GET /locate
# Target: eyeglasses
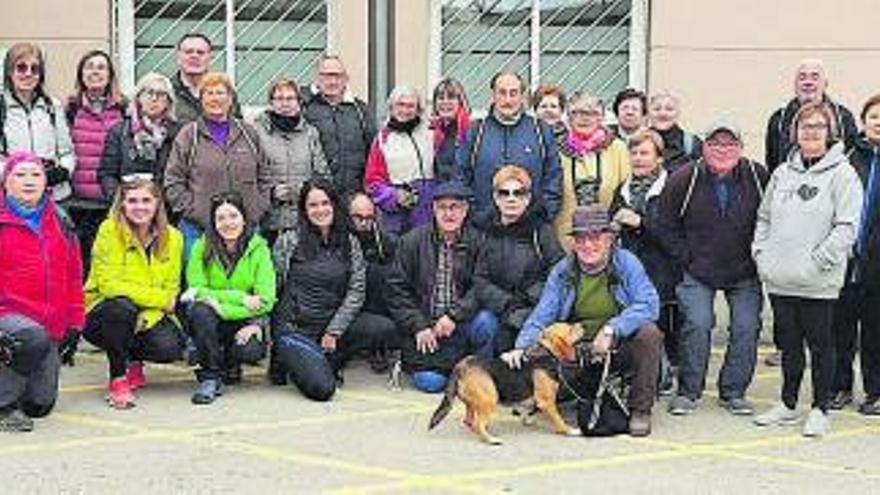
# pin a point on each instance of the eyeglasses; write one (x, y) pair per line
(512, 193)
(722, 144)
(332, 75)
(96, 66)
(285, 99)
(815, 127)
(24, 68)
(456, 207)
(584, 113)
(362, 218)
(153, 94)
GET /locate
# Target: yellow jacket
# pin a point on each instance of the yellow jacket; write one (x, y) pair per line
(121, 267)
(615, 168)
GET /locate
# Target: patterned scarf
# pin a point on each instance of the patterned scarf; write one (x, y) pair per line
(581, 143)
(638, 190)
(148, 136)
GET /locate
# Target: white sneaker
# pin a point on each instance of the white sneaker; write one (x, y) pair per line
(817, 424)
(778, 416)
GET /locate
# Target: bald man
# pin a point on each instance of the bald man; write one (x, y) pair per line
(810, 85)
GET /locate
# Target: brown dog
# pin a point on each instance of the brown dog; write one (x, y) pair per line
(480, 383)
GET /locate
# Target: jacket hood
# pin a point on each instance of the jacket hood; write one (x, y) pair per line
(834, 157)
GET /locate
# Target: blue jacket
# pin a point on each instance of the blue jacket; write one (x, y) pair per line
(634, 293)
(519, 144)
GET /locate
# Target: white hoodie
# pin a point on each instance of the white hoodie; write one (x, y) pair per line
(807, 226)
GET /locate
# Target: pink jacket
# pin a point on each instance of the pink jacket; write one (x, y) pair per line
(88, 131)
(41, 273)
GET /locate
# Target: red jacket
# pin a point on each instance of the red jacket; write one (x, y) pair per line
(41, 274)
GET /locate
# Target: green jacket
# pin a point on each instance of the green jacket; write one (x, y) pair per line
(252, 275)
(121, 267)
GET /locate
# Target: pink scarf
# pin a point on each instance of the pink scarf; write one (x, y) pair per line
(582, 143)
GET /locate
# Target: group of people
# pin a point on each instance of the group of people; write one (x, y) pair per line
(163, 226)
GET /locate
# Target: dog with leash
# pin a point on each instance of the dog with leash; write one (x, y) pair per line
(482, 383)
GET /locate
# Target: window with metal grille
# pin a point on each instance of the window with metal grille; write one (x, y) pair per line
(576, 44)
(255, 41)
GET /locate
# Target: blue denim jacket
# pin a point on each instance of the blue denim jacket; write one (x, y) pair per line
(634, 293)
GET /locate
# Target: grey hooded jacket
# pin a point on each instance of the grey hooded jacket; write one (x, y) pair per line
(807, 225)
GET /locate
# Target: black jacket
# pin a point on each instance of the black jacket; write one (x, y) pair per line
(120, 157)
(714, 249)
(644, 241)
(513, 265)
(679, 148)
(379, 249)
(865, 267)
(347, 130)
(778, 142)
(411, 281)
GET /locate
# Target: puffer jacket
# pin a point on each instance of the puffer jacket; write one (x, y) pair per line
(198, 168)
(41, 272)
(346, 131)
(514, 265)
(323, 293)
(293, 158)
(120, 157)
(122, 267)
(88, 131)
(42, 130)
(253, 275)
(807, 226)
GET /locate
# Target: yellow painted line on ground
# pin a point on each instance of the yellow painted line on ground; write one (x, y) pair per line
(313, 421)
(51, 447)
(802, 465)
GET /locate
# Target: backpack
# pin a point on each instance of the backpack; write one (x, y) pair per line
(693, 183)
(481, 129)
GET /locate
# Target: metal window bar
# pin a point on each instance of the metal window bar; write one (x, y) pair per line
(591, 50)
(475, 21)
(254, 44)
(517, 50)
(170, 28)
(299, 51)
(585, 31)
(492, 30)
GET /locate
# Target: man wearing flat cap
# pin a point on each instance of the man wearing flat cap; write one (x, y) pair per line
(606, 291)
(707, 219)
(432, 296)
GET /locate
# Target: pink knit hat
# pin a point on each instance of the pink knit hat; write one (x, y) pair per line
(16, 158)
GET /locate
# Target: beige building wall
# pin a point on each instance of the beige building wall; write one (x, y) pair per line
(64, 29)
(349, 35)
(411, 44)
(738, 58)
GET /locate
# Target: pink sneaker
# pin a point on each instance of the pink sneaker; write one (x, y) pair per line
(119, 394)
(135, 375)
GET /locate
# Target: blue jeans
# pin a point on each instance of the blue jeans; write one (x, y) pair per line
(474, 337)
(191, 233)
(696, 301)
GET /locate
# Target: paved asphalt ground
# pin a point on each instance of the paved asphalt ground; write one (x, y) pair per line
(266, 440)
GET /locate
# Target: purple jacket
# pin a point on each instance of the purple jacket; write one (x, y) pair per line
(88, 130)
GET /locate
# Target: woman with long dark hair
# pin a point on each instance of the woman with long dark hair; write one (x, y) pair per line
(318, 323)
(232, 286)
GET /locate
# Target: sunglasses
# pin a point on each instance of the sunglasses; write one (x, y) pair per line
(136, 177)
(512, 193)
(25, 68)
(362, 218)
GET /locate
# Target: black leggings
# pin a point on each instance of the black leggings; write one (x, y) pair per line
(111, 326)
(799, 319)
(215, 341)
(312, 370)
